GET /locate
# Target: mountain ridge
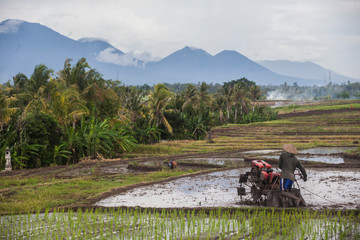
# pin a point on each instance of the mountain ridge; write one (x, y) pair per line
(24, 45)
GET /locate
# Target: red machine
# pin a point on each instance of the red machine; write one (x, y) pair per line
(264, 186)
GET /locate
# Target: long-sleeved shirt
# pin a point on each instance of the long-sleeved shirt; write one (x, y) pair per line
(288, 163)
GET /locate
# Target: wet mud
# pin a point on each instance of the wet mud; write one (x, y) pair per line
(333, 175)
(325, 188)
(331, 184)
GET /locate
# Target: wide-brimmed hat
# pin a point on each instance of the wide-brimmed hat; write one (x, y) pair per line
(290, 148)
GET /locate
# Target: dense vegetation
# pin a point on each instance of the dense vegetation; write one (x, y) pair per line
(54, 119)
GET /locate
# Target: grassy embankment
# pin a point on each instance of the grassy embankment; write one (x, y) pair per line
(22, 194)
(25, 192)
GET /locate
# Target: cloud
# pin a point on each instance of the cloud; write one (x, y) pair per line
(10, 26)
(109, 55)
(143, 56)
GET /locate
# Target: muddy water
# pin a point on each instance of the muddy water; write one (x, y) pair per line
(320, 154)
(324, 189)
(314, 158)
(262, 151)
(332, 188)
(326, 150)
(210, 190)
(233, 162)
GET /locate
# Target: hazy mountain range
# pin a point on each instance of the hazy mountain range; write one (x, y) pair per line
(24, 45)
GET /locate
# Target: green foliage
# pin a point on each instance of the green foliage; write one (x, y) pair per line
(343, 95)
(60, 154)
(60, 119)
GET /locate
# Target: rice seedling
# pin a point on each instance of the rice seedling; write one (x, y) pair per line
(180, 224)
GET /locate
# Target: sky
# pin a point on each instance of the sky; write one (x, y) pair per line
(325, 32)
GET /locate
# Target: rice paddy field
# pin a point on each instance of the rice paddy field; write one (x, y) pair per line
(62, 202)
(181, 224)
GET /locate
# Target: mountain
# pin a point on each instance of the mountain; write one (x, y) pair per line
(196, 65)
(306, 70)
(24, 45)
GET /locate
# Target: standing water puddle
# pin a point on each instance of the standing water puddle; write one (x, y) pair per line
(324, 159)
(319, 154)
(326, 150)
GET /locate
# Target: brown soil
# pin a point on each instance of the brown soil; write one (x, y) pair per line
(315, 112)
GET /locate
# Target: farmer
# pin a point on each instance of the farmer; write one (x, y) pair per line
(172, 164)
(288, 163)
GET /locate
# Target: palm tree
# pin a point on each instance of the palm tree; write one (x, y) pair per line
(102, 101)
(67, 106)
(255, 93)
(39, 78)
(191, 96)
(37, 103)
(80, 75)
(20, 82)
(204, 97)
(5, 110)
(133, 101)
(219, 105)
(227, 92)
(158, 100)
(36, 95)
(239, 96)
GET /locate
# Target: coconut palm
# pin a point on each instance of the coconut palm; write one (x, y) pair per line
(5, 110)
(80, 75)
(239, 98)
(39, 78)
(67, 106)
(204, 98)
(191, 96)
(227, 92)
(219, 105)
(254, 93)
(158, 100)
(133, 100)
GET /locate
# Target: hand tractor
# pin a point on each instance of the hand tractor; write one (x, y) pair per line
(265, 187)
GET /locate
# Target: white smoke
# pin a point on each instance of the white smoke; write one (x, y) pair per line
(281, 94)
(109, 55)
(276, 95)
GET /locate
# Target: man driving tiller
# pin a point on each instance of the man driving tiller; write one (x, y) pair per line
(288, 163)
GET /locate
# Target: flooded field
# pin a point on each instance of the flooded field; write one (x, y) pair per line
(331, 155)
(313, 158)
(324, 189)
(209, 190)
(326, 150)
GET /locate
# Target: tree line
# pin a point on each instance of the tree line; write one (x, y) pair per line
(59, 118)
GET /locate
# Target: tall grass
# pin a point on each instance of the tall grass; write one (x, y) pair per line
(180, 224)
